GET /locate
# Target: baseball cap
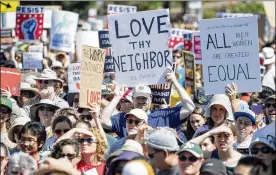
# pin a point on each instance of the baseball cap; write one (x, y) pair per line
(6, 102)
(192, 148)
(269, 141)
(246, 113)
(127, 96)
(214, 167)
(139, 113)
(142, 90)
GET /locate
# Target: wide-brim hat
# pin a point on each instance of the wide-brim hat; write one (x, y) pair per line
(19, 121)
(24, 86)
(34, 108)
(269, 55)
(47, 74)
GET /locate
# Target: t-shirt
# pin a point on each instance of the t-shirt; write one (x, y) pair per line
(157, 118)
(85, 168)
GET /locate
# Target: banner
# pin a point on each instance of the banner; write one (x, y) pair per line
(189, 61)
(63, 30)
(197, 48)
(91, 76)
(161, 93)
(140, 47)
(29, 22)
(11, 78)
(115, 9)
(176, 40)
(104, 39)
(74, 77)
(230, 54)
(32, 60)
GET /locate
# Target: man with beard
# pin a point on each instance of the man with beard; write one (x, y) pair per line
(171, 117)
(46, 86)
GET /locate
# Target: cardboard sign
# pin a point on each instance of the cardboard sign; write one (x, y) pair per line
(109, 65)
(29, 22)
(104, 39)
(63, 30)
(11, 78)
(74, 77)
(115, 9)
(189, 61)
(176, 40)
(32, 60)
(197, 47)
(91, 76)
(230, 54)
(161, 93)
(140, 47)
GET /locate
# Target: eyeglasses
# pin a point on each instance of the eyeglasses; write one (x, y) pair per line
(26, 142)
(61, 131)
(137, 122)
(44, 81)
(48, 109)
(191, 159)
(68, 155)
(267, 105)
(86, 117)
(151, 155)
(4, 110)
(264, 150)
(89, 140)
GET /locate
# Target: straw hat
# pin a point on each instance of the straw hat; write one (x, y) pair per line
(48, 74)
(18, 121)
(34, 108)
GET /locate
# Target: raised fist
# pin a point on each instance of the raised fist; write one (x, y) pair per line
(28, 28)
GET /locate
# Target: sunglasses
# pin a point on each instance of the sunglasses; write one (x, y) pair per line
(48, 109)
(89, 140)
(69, 156)
(44, 81)
(267, 105)
(176, 56)
(86, 117)
(264, 150)
(151, 155)
(61, 131)
(4, 110)
(130, 121)
(27, 94)
(191, 159)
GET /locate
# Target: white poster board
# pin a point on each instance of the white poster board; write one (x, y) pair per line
(74, 77)
(32, 60)
(36, 48)
(230, 54)
(115, 9)
(140, 46)
(63, 30)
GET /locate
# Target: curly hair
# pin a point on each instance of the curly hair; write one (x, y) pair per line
(58, 147)
(101, 144)
(67, 112)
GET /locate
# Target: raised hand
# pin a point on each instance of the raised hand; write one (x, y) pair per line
(28, 28)
(231, 91)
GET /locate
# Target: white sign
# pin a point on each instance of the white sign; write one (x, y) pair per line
(63, 30)
(235, 15)
(32, 60)
(140, 46)
(230, 54)
(36, 48)
(115, 9)
(88, 38)
(74, 77)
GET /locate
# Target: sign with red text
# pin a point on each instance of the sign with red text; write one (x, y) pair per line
(10, 79)
(176, 40)
(29, 22)
(74, 77)
(140, 47)
(230, 50)
(197, 48)
(91, 76)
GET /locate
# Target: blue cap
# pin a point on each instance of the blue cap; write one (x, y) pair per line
(246, 113)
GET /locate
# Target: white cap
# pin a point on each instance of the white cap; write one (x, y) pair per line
(57, 64)
(139, 113)
(141, 90)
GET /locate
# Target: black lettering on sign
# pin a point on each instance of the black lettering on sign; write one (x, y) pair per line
(161, 92)
(216, 43)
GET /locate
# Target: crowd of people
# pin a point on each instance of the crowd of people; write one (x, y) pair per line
(44, 131)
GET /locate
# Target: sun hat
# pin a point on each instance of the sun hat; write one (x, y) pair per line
(142, 91)
(30, 79)
(34, 108)
(269, 55)
(139, 113)
(18, 121)
(138, 167)
(246, 113)
(48, 74)
(163, 139)
(191, 148)
(6, 102)
(214, 167)
(57, 64)
(24, 86)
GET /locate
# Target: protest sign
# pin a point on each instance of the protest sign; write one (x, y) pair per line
(188, 41)
(74, 77)
(6, 38)
(35, 48)
(109, 65)
(115, 9)
(91, 76)
(29, 22)
(176, 40)
(11, 78)
(48, 9)
(140, 47)
(9, 6)
(197, 47)
(32, 60)
(104, 39)
(63, 30)
(161, 93)
(189, 61)
(230, 54)
(89, 38)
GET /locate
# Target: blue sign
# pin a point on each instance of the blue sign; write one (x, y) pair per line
(104, 39)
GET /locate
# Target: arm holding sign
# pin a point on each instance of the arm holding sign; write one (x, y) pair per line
(231, 92)
(188, 104)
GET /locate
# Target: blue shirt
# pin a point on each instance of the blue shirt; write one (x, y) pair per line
(169, 117)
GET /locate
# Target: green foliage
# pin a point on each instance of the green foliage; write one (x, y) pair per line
(209, 13)
(247, 7)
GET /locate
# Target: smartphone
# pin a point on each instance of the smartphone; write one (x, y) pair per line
(257, 109)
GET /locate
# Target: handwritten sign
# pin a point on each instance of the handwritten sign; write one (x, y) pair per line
(115, 9)
(161, 93)
(63, 30)
(91, 76)
(104, 39)
(32, 60)
(140, 47)
(230, 54)
(29, 22)
(189, 61)
(11, 78)
(197, 47)
(74, 77)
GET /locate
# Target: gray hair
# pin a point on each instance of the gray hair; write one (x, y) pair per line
(22, 162)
